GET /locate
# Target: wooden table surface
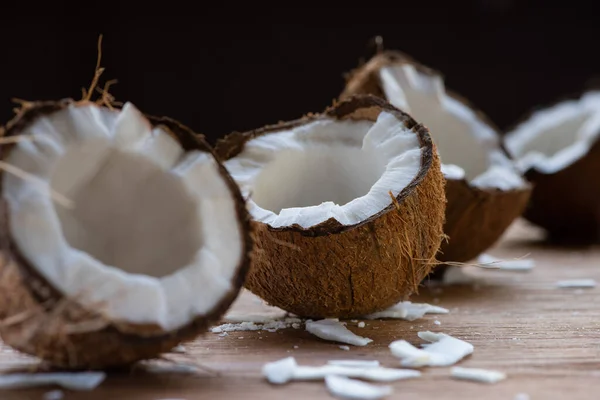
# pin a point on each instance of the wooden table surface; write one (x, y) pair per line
(546, 339)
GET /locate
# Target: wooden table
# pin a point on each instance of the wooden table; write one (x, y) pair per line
(546, 339)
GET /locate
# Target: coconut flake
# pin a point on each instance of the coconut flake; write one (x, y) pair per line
(353, 389)
(361, 324)
(68, 380)
(178, 349)
(444, 350)
(171, 368)
(456, 276)
(346, 348)
(285, 370)
(408, 311)
(270, 325)
(355, 363)
(332, 329)
(54, 395)
(576, 283)
(507, 265)
(477, 374)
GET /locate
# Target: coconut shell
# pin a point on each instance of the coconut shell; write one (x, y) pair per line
(475, 218)
(563, 202)
(39, 320)
(333, 270)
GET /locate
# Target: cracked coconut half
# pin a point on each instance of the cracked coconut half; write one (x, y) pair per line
(485, 191)
(149, 244)
(558, 149)
(348, 208)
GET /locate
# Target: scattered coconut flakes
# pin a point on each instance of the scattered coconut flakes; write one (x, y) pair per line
(223, 334)
(54, 395)
(361, 324)
(490, 261)
(332, 329)
(68, 380)
(178, 349)
(272, 325)
(346, 388)
(408, 311)
(285, 370)
(256, 318)
(576, 283)
(456, 276)
(347, 348)
(444, 350)
(477, 374)
(437, 322)
(355, 363)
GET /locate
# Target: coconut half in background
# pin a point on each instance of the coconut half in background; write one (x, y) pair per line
(485, 191)
(348, 207)
(558, 149)
(149, 245)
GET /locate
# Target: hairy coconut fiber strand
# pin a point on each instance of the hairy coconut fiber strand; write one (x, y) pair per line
(64, 326)
(336, 270)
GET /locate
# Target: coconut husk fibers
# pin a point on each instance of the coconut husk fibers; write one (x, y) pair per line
(40, 321)
(566, 203)
(332, 270)
(475, 218)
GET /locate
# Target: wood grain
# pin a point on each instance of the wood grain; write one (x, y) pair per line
(546, 339)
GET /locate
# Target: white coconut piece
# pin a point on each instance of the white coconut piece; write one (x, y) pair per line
(408, 311)
(454, 127)
(285, 370)
(361, 324)
(444, 351)
(124, 178)
(477, 374)
(456, 276)
(332, 329)
(577, 283)
(67, 380)
(171, 368)
(555, 137)
(256, 318)
(355, 363)
(346, 388)
(489, 261)
(54, 395)
(345, 348)
(179, 349)
(363, 160)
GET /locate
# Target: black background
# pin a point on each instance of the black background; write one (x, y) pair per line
(224, 69)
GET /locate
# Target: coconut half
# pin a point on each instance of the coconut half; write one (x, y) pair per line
(558, 148)
(153, 247)
(348, 207)
(485, 191)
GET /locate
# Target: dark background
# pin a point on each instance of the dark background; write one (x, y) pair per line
(224, 69)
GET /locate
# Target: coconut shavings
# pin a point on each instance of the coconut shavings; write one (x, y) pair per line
(67, 380)
(269, 326)
(332, 329)
(286, 370)
(477, 374)
(408, 311)
(576, 283)
(444, 350)
(355, 363)
(352, 389)
(489, 261)
(346, 348)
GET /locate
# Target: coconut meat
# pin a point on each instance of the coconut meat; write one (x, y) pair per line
(555, 137)
(468, 146)
(327, 168)
(153, 236)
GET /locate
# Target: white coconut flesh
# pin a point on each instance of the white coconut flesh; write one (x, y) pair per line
(327, 168)
(467, 145)
(555, 137)
(152, 237)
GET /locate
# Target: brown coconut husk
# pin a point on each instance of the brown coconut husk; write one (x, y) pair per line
(37, 319)
(334, 270)
(475, 218)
